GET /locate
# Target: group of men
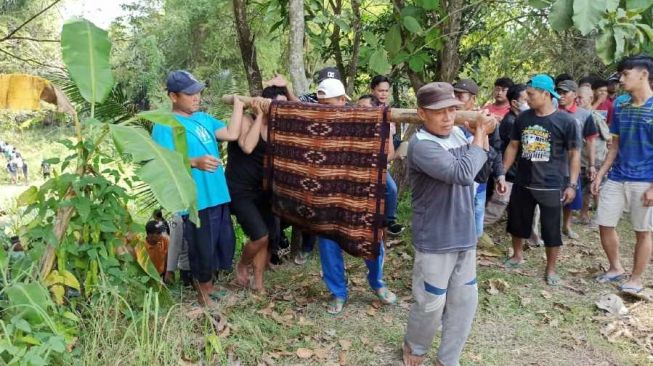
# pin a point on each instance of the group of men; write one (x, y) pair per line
(554, 142)
(15, 162)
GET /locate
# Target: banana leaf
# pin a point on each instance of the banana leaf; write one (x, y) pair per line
(164, 171)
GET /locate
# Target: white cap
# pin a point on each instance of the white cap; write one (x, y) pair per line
(331, 88)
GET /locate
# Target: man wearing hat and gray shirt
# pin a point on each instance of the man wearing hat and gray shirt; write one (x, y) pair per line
(442, 166)
(567, 89)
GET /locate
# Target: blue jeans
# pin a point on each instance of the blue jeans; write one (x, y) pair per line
(390, 199)
(333, 268)
(479, 208)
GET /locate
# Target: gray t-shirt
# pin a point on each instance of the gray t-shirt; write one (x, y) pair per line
(441, 172)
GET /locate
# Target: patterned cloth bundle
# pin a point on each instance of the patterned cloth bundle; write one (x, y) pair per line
(326, 166)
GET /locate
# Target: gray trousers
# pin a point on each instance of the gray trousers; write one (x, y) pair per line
(445, 291)
(178, 248)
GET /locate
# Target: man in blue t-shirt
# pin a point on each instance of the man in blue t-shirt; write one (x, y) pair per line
(629, 165)
(210, 246)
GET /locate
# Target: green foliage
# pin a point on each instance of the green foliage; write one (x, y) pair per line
(623, 27)
(86, 49)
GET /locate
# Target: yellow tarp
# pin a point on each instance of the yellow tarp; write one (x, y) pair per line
(21, 92)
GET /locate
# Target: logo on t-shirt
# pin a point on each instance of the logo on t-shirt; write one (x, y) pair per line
(203, 135)
(535, 144)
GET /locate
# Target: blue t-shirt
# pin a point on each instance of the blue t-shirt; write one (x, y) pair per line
(634, 127)
(200, 136)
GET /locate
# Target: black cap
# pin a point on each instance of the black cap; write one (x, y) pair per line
(328, 73)
(182, 81)
(466, 86)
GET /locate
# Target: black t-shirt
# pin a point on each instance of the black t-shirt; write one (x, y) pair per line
(244, 172)
(544, 145)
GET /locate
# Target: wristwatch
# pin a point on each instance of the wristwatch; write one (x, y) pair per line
(572, 185)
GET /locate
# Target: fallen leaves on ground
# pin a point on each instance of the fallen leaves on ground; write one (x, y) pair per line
(496, 286)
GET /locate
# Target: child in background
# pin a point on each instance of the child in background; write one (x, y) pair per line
(157, 241)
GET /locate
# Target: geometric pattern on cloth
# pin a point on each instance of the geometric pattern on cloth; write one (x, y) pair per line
(326, 167)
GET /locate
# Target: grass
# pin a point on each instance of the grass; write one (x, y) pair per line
(527, 323)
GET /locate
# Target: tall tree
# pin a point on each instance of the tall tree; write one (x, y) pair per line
(247, 48)
(297, 70)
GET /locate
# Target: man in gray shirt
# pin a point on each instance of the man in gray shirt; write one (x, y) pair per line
(442, 166)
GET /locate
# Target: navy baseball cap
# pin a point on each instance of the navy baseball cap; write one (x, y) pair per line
(182, 81)
(328, 73)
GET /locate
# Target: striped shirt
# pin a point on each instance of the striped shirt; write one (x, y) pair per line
(634, 127)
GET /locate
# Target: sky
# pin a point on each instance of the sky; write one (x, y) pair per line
(100, 12)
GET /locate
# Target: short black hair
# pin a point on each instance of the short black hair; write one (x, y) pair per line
(637, 62)
(504, 82)
(158, 214)
(515, 91)
(587, 79)
(374, 100)
(272, 92)
(378, 79)
(562, 77)
(599, 83)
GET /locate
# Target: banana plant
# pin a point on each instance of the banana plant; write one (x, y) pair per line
(86, 50)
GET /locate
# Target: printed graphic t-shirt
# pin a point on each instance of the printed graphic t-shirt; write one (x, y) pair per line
(200, 136)
(544, 145)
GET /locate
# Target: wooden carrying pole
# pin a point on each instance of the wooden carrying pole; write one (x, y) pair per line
(400, 115)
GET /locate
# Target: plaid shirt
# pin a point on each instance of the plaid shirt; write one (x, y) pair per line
(634, 127)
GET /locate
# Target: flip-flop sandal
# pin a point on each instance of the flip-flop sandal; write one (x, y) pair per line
(552, 280)
(217, 295)
(509, 263)
(605, 278)
(336, 305)
(631, 289)
(386, 296)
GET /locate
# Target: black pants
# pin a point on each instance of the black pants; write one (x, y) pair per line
(521, 209)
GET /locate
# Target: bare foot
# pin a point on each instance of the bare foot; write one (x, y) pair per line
(410, 359)
(242, 275)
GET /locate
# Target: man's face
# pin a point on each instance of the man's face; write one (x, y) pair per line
(585, 97)
(601, 93)
(382, 92)
(187, 103)
(537, 98)
(499, 94)
(567, 98)
(467, 98)
(365, 102)
(438, 121)
(523, 98)
(632, 79)
(613, 86)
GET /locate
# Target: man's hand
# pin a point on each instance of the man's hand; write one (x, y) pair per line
(277, 80)
(647, 198)
(238, 104)
(591, 173)
(502, 187)
(596, 184)
(207, 163)
(260, 105)
(568, 195)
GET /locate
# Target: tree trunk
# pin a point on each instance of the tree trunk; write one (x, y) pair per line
(297, 71)
(449, 60)
(353, 64)
(247, 48)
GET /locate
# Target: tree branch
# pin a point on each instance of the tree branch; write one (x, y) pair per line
(31, 60)
(35, 39)
(10, 35)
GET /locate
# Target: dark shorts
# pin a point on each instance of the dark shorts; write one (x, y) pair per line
(253, 210)
(211, 246)
(522, 207)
